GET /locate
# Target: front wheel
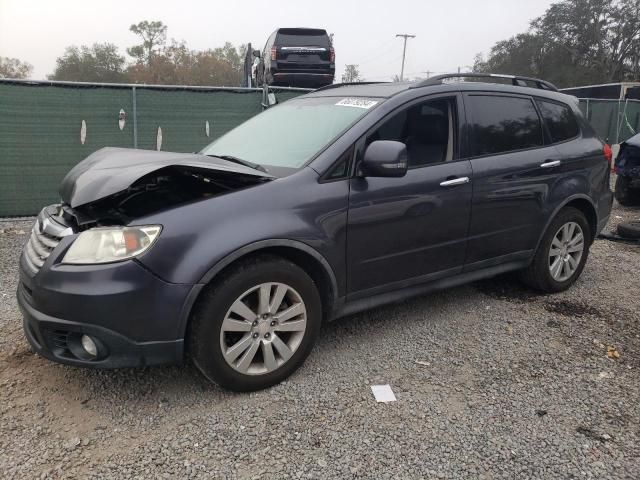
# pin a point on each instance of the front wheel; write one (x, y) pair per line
(562, 253)
(256, 325)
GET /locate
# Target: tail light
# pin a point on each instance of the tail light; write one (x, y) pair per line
(608, 154)
(274, 53)
(332, 55)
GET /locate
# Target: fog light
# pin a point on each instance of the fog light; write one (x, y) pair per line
(89, 345)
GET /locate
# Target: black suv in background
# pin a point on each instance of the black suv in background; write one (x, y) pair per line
(296, 57)
(325, 205)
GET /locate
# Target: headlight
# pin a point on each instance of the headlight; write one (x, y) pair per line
(111, 244)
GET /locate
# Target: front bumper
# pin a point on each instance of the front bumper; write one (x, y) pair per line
(134, 317)
(59, 340)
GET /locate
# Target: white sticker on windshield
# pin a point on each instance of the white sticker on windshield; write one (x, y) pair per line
(357, 102)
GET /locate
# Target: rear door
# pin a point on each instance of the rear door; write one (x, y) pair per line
(513, 172)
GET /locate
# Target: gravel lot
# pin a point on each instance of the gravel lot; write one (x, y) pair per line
(510, 384)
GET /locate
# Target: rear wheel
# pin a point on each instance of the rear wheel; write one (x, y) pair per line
(625, 193)
(256, 325)
(562, 253)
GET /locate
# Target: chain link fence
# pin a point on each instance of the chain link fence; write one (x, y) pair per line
(48, 127)
(615, 120)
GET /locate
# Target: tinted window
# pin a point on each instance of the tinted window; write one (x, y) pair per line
(426, 129)
(560, 121)
(503, 124)
(303, 38)
(341, 168)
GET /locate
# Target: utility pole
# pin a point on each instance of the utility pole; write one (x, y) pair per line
(405, 36)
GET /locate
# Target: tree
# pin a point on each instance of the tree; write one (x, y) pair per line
(175, 64)
(14, 68)
(99, 63)
(574, 42)
(351, 74)
(153, 35)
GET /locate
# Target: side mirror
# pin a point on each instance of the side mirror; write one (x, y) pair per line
(385, 158)
(256, 53)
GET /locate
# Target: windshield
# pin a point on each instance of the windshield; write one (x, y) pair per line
(291, 134)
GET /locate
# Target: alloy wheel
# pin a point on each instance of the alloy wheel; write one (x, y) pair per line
(263, 328)
(567, 248)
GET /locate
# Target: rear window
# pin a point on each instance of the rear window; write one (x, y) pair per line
(503, 124)
(303, 38)
(560, 121)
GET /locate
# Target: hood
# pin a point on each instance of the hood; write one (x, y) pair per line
(112, 170)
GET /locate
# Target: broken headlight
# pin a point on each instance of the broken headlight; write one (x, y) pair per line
(111, 244)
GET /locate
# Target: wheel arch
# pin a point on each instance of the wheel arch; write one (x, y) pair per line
(582, 203)
(301, 254)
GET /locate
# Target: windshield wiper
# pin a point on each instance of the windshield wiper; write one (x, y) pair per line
(240, 161)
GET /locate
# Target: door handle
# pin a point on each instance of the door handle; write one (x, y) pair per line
(455, 181)
(551, 164)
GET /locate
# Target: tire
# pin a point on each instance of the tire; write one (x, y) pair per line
(625, 194)
(210, 337)
(539, 274)
(629, 229)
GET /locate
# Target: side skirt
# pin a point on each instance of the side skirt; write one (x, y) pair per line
(350, 307)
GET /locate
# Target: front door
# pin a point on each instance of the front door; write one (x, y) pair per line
(409, 230)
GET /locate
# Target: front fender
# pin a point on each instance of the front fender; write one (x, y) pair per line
(198, 240)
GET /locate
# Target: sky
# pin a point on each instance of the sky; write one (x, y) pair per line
(448, 33)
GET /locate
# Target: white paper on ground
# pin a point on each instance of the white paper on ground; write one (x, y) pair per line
(383, 393)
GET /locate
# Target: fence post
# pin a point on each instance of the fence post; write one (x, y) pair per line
(135, 117)
(588, 119)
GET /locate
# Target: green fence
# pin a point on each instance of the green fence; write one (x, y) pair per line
(41, 128)
(616, 120)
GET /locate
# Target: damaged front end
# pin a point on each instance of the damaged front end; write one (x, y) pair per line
(115, 186)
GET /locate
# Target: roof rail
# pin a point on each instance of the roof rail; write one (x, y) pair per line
(516, 80)
(337, 85)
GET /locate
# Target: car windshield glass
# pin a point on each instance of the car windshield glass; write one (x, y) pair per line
(292, 133)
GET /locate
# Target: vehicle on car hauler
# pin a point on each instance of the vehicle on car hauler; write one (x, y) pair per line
(331, 203)
(296, 57)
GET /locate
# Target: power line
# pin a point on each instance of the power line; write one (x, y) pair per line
(405, 36)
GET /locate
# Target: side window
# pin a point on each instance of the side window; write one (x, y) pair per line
(503, 124)
(340, 169)
(427, 129)
(560, 121)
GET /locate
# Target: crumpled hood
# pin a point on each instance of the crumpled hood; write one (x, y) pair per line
(112, 170)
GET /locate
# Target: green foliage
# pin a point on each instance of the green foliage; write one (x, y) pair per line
(14, 68)
(99, 63)
(175, 64)
(155, 61)
(153, 35)
(575, 42)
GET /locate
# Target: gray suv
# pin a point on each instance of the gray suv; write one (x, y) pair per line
(331, 203)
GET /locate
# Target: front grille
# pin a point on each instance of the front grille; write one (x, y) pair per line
(45, 236)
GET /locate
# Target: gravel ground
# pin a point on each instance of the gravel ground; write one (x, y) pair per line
(510, 384)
